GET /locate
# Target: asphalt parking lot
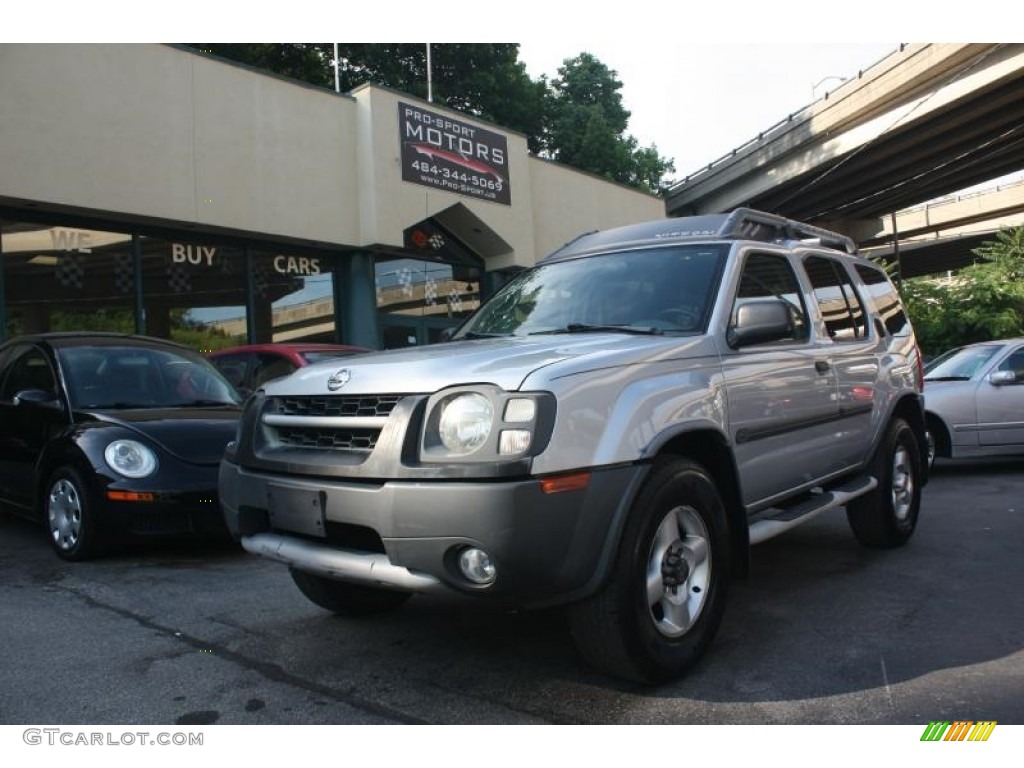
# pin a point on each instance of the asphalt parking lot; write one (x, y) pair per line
(823, 632)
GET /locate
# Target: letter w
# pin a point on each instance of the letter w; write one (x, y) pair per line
(935, 730)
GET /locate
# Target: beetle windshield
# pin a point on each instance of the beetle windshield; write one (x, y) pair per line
(105, 376)
(654, 290)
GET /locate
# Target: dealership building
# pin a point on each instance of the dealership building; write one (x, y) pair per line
(160, 190)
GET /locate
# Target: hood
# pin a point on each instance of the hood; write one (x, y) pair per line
(193, 435)
(505, 362)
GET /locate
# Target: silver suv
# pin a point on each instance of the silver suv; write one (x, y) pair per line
(610, 432)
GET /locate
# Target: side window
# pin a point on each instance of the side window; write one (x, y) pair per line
(29, 370)
(269, 367)
(886, 299)
(766, 276)
(839, 305)
(1015, 363)
(232, 367)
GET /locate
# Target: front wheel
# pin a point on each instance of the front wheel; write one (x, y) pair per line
(665, 597)
(346, 599)
(70, 518)
(886, 517)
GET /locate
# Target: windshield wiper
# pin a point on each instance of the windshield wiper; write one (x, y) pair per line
(947, 378)
(477, 335)
(199, 403)
(585, 328)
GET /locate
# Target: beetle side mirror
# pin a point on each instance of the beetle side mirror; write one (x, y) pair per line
(37, 397)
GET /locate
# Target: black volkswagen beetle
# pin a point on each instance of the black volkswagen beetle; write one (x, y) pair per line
(108, 434)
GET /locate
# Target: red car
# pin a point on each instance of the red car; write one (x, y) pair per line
(249, 366)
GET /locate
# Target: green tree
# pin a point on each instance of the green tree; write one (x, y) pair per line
(587, 127)
(984, 301)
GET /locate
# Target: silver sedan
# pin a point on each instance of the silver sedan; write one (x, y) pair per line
(974, 400)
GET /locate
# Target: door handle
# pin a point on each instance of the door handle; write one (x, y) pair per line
(821, 366)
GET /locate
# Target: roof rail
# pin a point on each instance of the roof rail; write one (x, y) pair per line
(746, 223)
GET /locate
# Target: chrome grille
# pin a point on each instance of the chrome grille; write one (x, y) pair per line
(346, 423)
(347, 405)
(329, 439)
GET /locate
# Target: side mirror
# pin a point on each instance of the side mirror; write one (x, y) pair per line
(447, 333)
(999, 378)
(758, 322)
(37, 397)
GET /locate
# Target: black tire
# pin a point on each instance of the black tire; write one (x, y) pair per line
(637, 626)
(69, 516)
(347, 599)
(886, 517)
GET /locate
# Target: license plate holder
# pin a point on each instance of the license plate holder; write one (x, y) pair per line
(299, 510)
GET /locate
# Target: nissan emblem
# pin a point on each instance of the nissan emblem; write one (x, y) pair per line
(339, 380)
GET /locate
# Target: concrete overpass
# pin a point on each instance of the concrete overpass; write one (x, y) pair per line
(928, 120)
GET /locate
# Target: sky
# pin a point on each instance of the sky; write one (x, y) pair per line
(700, 101)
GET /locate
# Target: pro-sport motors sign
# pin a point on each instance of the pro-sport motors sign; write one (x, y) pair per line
(439, 151)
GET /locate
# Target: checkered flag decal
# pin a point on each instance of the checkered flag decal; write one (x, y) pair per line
(178, 278)
(405, 279)
(70, 270)
(430, 292)
(260, 281)
(454, 302)
(124, 273)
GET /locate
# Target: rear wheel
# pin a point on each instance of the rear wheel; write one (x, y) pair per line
(886, 517)
(347, 599)
(666, 594)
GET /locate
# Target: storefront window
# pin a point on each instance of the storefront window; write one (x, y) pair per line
(293, 297)
(427, 288)
(194, 292)
(418, 299)
(60, 278)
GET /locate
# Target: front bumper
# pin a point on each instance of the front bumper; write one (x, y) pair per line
(547, 548)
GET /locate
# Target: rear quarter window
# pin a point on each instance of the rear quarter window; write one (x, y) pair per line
(885, 298)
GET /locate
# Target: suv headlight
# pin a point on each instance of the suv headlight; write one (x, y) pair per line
(465, 422)
(130, 458)
(485, 423)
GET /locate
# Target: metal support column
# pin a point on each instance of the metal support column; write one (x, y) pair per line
(355, 300)
(140, 306)
(250, 297)
(3, 293)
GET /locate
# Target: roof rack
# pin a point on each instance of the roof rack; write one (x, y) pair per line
(748, 224)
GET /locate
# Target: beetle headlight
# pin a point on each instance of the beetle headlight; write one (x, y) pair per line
(130, 458)
(465, 423)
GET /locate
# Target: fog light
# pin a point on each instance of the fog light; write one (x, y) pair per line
(476, 566)
(513, 441)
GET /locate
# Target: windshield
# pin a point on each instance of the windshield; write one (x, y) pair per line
(657, 290)
(141, 377)
(959, 364)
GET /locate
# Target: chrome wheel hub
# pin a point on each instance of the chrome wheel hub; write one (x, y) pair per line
(678, 571)
(64, 513)
(902, 483)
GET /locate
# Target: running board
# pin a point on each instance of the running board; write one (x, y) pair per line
(783, 519)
